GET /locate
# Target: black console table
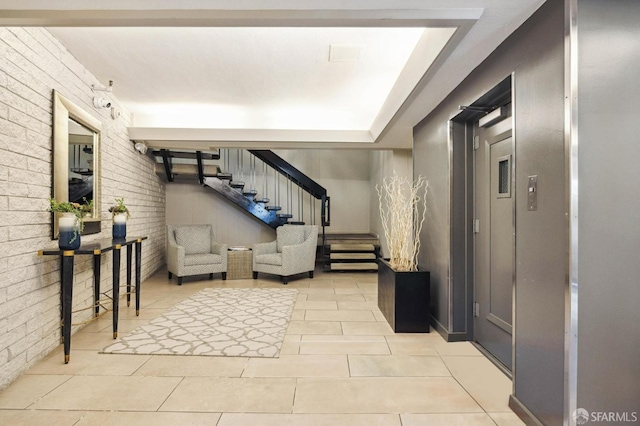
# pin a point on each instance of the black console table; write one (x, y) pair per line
(96, 248)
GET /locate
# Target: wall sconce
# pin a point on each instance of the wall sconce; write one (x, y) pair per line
(101, 103)
(141, 147)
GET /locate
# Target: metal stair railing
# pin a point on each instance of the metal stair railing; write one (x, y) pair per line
(248, 200)
(272, 161)
(301, 180)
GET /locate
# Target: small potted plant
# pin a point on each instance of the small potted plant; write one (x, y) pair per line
(87, 207)
(119, 214)
(70, 223)
(403, 289)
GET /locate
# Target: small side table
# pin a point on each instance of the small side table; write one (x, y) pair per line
(239, 263)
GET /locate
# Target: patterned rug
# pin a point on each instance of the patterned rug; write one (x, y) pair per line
(242, 322)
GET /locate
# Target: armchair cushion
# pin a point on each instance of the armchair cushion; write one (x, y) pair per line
(194, 239)
(289, 236)
(270, 259)
(202, 259)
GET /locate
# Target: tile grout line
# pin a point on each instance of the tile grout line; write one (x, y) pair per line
(463, 387)
(157, 410)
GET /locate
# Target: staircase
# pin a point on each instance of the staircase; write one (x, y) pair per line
(352, 252)
(259, 181)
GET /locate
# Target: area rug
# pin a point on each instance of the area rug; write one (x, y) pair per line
(242, 322)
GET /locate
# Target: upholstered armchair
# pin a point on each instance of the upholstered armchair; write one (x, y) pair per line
(293, 252)
(193, 250)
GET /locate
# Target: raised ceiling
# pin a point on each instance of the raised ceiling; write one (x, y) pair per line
(203, 73)
(250, 78)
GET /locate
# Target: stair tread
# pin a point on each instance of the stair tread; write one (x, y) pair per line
(287, 215)
(262, 200)
(354, 266)
(274, 208)
(336, 237)
(352, 247)
(226, 176)
(250, 192)
(349, 256)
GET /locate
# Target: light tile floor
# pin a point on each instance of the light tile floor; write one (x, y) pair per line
(340, 364)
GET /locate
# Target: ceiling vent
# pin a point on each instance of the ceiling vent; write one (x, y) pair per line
(345, 52)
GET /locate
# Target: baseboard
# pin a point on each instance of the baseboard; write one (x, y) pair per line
(521, 411)
(455, 336)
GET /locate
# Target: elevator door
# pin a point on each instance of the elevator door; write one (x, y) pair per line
(494, 241)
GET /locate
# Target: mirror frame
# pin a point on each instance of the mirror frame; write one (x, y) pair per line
(63, 110)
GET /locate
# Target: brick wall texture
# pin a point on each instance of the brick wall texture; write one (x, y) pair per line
(32, 64)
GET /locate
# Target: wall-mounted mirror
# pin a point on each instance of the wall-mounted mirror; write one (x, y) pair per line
(76, 159)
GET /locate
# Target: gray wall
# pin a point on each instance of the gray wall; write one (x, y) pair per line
(345, 175)
(535, 54)
(608, 206)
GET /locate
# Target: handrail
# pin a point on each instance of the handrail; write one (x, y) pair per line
(289, 171)
(299, 178)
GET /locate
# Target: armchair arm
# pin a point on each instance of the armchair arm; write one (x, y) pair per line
(218, 248)
(175, 256)
(290, 254)
(221, 249)
(302, 255)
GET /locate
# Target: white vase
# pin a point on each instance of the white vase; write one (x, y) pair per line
(68, 231)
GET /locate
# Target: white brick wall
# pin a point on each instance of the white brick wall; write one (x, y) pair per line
(32, 64)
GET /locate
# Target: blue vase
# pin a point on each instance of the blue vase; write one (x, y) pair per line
(119, 229)
(68, 232)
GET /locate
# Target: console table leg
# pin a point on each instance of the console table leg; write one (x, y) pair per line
(66, 276)
(138, 269)
(96, 282)
(116, 287)
(129, 253)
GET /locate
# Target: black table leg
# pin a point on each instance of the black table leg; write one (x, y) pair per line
(96, 281)
(66, 277)
(138, 269)
(129, 253)
(62, 281)
(116, 287)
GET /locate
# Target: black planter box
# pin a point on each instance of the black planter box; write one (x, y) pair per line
(403, 298)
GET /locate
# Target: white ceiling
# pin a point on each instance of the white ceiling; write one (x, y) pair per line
(256, 78)
(203, 73)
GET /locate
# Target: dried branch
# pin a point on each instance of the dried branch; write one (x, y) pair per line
(399, 199)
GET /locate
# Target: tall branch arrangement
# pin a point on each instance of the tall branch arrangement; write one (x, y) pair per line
(399, 199)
